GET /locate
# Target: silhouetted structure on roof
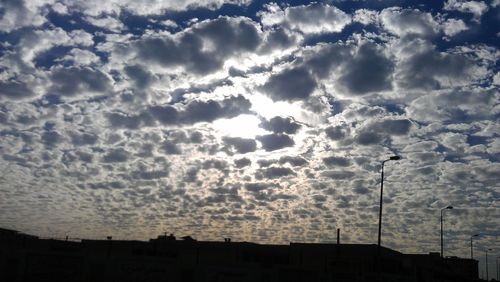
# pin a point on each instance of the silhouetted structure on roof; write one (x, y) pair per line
(28, 258)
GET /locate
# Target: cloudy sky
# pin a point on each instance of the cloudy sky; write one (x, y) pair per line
(260, 121)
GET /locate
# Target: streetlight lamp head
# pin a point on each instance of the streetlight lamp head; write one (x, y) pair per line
(395, 158)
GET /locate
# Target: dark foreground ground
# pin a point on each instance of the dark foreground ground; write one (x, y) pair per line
(27, 258)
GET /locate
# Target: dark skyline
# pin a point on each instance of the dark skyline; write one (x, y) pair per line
(260, 121)
(167, 258)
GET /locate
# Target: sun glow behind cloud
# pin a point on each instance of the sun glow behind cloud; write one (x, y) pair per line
(244, 126)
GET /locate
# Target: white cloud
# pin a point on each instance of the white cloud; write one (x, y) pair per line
(153, 7)
(60, 8)
(18, 14)
(496, 79)
(453, 27)
(271, 15)
(169, 23)
(42, 40)
(454, 141)
(366, 16)
(404, 22)
(311, 19)
(81, 57)
(107, 22)
(477, 8)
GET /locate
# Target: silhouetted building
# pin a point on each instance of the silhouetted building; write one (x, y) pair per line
(27, 258)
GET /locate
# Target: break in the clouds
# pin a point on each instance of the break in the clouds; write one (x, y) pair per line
(227, 118)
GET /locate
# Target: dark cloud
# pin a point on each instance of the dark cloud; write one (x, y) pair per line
(149, 174)
(273, 142)
(278, 39)
(240, 163)
(208, 111)
(319, 198)
(74, 80)
(142, 77)
(51, 138)
(360, 186)
(368, 138)
(281, 125)
(294, 161)
(124, 120)
(256, 187)
(68, 157)
(225, 36)
(338, 174)
(336, 132)
(4, 117)
(177, 136)
(84, 156)
(241, 145)
(337, 161)
(145, 150)
(394, 127)
(196, 137)
(199, 111)
(118, 155)
(290, 85)
(191, 175)
(375, 133)
(427, 70)
(106, 185)
(368, 71)
(171, 148)
(81, 139)
(15, 90)
(165, 114)
(265, 163)
(194, 112)
(359, 189)
(202, 111)
(274, 172)
(323, 61)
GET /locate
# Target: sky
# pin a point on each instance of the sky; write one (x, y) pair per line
(259, 121)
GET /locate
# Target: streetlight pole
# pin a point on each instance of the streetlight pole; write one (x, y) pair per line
(393, 158)
(447, 208)
(471, 249)
(487, 278)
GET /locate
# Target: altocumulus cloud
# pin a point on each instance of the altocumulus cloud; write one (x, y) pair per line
(223, 118)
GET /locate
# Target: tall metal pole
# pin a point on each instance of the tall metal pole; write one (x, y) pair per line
(442, 233)
(471, 252)
(471, 248)
(487, 264)
(380, 208)
(447, 208)
(393, 158)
